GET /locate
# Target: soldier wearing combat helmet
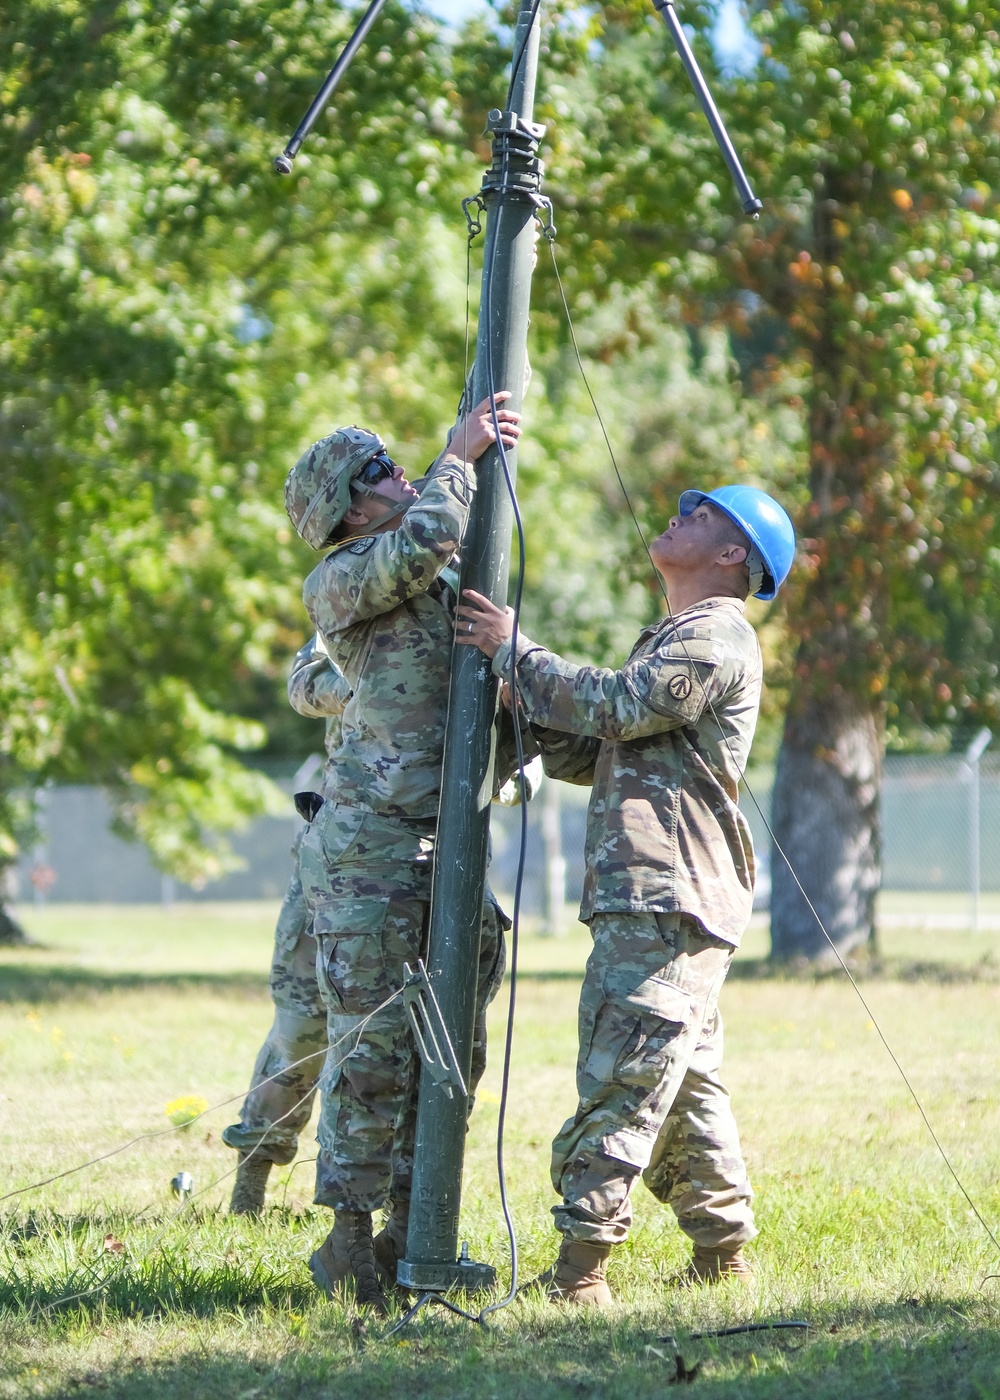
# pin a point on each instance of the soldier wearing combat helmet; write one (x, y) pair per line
(383, 601)
(668, 887)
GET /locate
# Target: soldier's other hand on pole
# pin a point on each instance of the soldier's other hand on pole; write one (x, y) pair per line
(482, 624)
(474, 433)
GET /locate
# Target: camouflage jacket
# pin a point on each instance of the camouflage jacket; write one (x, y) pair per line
(318, 689)
(664, 741)
(386, 617)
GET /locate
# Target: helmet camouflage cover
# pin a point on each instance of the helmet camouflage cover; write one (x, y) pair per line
(318, 488)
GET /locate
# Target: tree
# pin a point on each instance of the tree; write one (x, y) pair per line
(870, 289)
(175, 324)
(876, 127)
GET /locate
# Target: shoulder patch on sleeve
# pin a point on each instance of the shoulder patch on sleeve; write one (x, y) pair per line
(694, 632)
(362, 546)
(694, 649)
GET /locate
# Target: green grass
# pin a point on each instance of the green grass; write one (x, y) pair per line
(107, 1286)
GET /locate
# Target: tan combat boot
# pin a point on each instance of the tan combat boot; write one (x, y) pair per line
(579, 1274)
(713, 1265)
(390, 1242)
(347, 1257)
(250, 1186)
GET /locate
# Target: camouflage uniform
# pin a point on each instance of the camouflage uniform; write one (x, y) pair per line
(384, 606)
(667, 894)
(280, 1100)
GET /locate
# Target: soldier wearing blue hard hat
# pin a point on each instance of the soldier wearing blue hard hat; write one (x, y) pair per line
(664, 741)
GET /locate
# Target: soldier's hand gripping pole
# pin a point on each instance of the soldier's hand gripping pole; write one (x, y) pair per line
(751, 204)
(283, 163)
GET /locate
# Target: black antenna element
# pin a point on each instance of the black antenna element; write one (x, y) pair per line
(283, 163)
(751, 204)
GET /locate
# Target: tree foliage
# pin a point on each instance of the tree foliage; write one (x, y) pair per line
(175, 324)
(878, 128)
(866, 293)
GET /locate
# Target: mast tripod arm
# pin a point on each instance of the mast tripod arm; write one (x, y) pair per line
(283, 163)
(751, 204)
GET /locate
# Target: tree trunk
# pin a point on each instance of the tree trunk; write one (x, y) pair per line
(825, 817)
(11, 932)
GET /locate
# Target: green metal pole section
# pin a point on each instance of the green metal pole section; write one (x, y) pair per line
(432, 1263)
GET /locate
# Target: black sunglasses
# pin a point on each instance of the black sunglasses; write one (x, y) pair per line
(376, 469)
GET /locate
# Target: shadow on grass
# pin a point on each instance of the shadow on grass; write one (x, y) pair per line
(23, 982)
(872, 969)
(28, 983)
(900, 1350)
(129, 1266)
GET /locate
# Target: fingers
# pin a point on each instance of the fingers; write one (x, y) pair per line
(473, 605)
(484, 411)
(480, 623)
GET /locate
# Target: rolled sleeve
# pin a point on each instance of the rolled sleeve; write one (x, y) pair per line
(317, 688)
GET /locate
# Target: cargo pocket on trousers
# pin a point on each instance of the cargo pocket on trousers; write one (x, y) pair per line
(363, 944)
(326, 843)
(632, 1039)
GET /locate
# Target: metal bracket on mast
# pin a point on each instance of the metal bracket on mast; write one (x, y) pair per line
(430, 1032)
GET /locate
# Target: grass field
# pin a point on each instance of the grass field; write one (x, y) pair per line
(864, 1234)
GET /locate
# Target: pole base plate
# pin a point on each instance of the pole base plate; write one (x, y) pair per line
(468, 1275)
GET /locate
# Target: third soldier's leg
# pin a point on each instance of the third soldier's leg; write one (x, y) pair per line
(290, 1061)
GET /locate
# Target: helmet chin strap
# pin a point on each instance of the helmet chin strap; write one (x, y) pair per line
(390, 511)
(756, 568)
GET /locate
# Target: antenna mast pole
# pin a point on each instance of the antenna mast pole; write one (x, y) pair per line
(510, 195)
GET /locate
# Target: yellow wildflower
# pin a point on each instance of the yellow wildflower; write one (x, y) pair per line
(186, 1109)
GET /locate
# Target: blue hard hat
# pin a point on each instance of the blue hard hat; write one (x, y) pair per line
(765, 524)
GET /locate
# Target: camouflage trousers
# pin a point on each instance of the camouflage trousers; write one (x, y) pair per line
(650, 1097)
(290, 1061)
(367, 881)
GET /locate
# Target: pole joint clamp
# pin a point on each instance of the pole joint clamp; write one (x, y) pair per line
(516, 168)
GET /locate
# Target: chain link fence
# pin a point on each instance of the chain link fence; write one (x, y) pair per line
(940, 833)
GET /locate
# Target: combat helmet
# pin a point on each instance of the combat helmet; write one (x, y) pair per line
(765, 524)
(318, 488)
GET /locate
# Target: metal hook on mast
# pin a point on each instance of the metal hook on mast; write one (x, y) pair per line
(283, 163)
(751, 204)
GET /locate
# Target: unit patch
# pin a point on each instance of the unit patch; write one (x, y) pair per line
(679, 687)
(361, 546)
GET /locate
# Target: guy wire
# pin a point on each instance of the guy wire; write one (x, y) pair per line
(213, 1108)
(171, 1220)
(753, 797)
